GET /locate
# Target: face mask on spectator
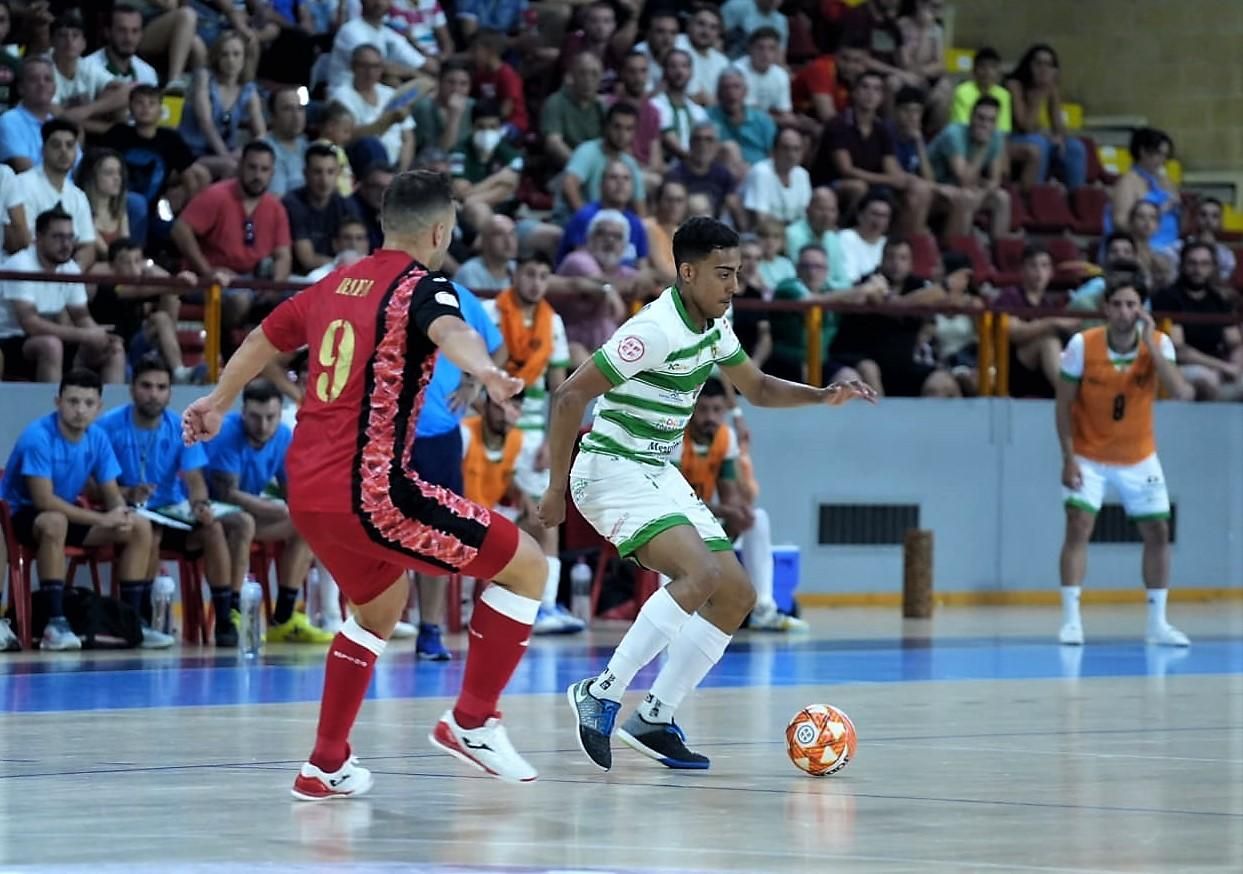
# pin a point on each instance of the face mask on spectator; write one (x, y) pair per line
(487, 140)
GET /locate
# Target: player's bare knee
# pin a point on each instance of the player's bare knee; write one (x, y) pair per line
(527, 570)
(1079, 524)
(1155, 532)
(51, 527)
(735, 591)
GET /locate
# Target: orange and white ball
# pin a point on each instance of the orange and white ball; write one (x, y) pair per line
(821, 740)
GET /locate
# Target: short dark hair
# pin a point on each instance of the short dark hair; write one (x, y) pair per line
(413, 198)
(455, 66)
(260, 391)
(58, 125)
(537, 257)
(874, 196)
(258, 146)
(55, 214)
(987, 100)
(699, 237)
(486, 107)
(984, 56)
(121, 244)
(277, 92)
(712, 388)
(150, 362)
(895, 242)
(763, 33)
(617, 109)
(80, 377)
(868, 74)
(1191, 245)
(1215, 201)
(319, 150)
(1117, 280)
(67, 21)
(125, 9)
(909, 94)
(334, 111)
(1117, 236)
(1032, 251)
(490, 40)
(30, 61)
(142, 89)
(1149, 139)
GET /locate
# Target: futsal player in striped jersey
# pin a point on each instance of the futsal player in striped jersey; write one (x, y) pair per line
(647, 377)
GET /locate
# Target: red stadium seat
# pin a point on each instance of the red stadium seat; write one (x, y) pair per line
(1089, 203)
(925, 255)
(1050, 211)
(1008, 255)
(970, 246)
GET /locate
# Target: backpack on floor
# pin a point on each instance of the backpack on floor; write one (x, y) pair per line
(102, 623)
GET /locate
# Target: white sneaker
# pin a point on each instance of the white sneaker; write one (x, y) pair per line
(774, 620)
(486, 748)
(1071, 634)
(58, 636)
(331, 624)
(8, 640)
(1166, 635)
(152, 639)
(403, 631)
(348, 781)
(549, 622)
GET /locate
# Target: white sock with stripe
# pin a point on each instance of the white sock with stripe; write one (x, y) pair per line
(553, 584)
(1070, 605)
(694, 652)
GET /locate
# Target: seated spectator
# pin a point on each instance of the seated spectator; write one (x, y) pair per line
(671, 212)
(246, 467)
(703, 33)
(955, 338)
(972, 159)
(476, 15)
(336, 129)
(1036, 101)
(490, 167)
(709, 460)
(117, 59)
(21, 140)
(768, 83)
(83, 94)
(424, 24)
(574, 114)
(1144, 224)
(1208, 226)
(1035, 344)
(616, 193)
(632, 88)
(923, 54)
(493, 268)
(821, 89)
(43, 324)
(1119, 257)
(863, 246)
(369, 198)
(234, 229)
(857, 155)
(819, 228)
(45, 476)
(1210, 356)
(101, 177)
(598, 38)
(144, 317)
(48, 186)
(350, 245)
(1147, 180)
(985, 81)
(702, 172)
(779, 186)
(584, 174)
(379, 115)
(741, 18)
(9, 64)
(774, 267)
(316, 211)
(590, 319)
(912, 155)
(287, 137)
(401, 60)
(219, 103)
(752, 130)
(496, 80)
(678, 112)
(158, 164)
(752, 327)
(157, 470)
(874, 25)
(887, 350)
(662, 32)
(443, 119)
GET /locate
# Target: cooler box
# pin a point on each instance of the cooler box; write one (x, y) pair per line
(785, 574)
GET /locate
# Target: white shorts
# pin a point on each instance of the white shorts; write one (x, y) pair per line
(530, 481)
(1140, 486)
(629, 503)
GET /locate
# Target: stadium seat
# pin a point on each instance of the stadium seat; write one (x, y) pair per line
(1018, 209)
(1050, 211)
(970, 246)
(925, 255)
(1065, 252)
(1089, 203)
(1008, 258)
(1237, 279)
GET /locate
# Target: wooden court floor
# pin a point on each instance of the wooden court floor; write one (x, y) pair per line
(983, 747)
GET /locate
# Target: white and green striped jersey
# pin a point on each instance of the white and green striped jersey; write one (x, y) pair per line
(534, 415)
(657, 363)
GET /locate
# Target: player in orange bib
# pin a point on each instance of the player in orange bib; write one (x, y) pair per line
(1104, 424)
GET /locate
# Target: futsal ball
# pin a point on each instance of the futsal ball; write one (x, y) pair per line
(821, 740)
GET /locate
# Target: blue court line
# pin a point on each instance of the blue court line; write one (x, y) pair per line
(298, 678)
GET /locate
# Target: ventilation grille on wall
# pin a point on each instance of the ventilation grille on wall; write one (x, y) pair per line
(1112, 525)
(866, 524)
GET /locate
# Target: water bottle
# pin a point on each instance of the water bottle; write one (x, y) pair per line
(252, 630)
(162, 590)
(580, 590)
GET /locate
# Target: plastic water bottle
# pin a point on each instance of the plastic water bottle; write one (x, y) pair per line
(252, 631)
(162, 590)
(580, 590)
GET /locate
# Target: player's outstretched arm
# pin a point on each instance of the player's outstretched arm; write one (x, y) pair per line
(764, 390)
(569, 403)
(202, 419)
(462, 345)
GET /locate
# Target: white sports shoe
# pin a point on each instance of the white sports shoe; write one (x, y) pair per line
(486, 748)
(774, 620)
(8, 640)
(1071, 634)
(348, 781)
(58, 636)
(403, 631)
(152, 639)
(1166, 635)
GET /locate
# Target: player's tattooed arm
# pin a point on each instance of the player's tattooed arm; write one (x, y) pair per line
(224, 488)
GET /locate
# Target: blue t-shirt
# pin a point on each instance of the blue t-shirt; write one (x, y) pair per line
(436, 418)
(230, 452)
(21, 136)
(43, 451)
(575, 234)
(755, 136)
(153, 457)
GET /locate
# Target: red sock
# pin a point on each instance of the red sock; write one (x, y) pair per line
(499, 631)
(351, 661)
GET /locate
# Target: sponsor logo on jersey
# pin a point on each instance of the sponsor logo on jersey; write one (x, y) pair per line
(447, 298)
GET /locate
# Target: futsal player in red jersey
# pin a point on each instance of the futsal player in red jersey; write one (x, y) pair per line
(373, 330)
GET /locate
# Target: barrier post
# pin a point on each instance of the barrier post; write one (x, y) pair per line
(917, 574)
(1001, 353)
(985, 364)
(211, 324)
(813, 319)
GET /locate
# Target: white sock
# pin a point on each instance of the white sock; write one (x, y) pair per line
(329, 595)
(657, 624)
(757, 558)
(1156, 607)
(553, 583)
(698, 646)
(1070, 605)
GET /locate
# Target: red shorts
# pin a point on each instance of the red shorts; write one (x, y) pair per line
(364, 567)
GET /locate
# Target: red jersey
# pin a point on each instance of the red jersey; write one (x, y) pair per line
(500, 85)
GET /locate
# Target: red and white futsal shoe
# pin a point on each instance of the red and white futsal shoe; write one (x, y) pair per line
(486, 748)
(348, 781)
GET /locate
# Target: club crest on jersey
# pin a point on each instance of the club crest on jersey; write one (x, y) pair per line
(631, 349)
(447, 298)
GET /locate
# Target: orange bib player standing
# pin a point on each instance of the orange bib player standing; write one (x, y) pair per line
(1105, 400)
(374, 330)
